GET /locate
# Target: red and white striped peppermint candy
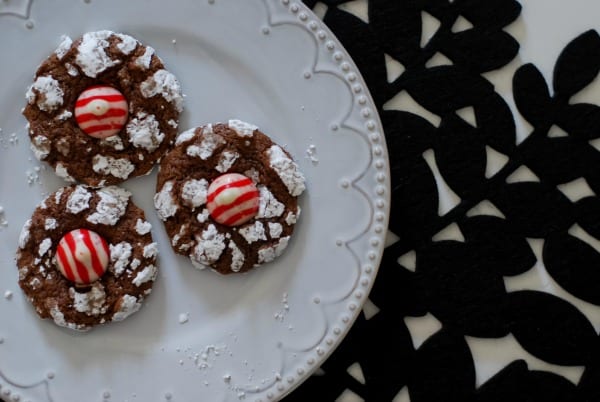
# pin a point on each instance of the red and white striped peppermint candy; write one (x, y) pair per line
(101, 111)
(232, 199)
(82, 256)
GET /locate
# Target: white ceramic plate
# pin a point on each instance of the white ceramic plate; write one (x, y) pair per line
(254, 336)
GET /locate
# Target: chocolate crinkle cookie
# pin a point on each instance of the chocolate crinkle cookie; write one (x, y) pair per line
(86, 257)
(228, 196)
(102, 109)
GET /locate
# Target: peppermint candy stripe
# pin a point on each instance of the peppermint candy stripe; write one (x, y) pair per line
(82, 256)
(86, 117)
(240, 217)
(100, 128)
(101, 111)
(243, 206)
(238, 183)
(232, 199)
(83, 101)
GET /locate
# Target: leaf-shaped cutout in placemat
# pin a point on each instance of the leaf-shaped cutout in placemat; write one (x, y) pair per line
(397, 25)
(578, 64)
(497, 246)
(495, 123)
(414, 196)
(575, 265)
(461, 290)
(387, 363)
(550, 328)
(592, 176)
(581, 120)
(588, 215)
(439, 9)
(460, 156)
(515, 383)
(480, 50)
(558, 160)
(445, 89)
(505, 385)
(407, 133)
(443, 370)
(532, 96)
(395, 287)
(489, 14)
(534, 209)
(589, 384)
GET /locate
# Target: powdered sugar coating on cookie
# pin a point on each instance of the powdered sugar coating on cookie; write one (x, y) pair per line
(72, 70)
(45, 245)
(50, 224)
(46, 93)
(143, 227)
(111, 207)
(40, 145)
(291, 218)
(107, 165)
(92, 303)
(145, 275)
(269, 206)
(209, 246)
(287, 170)
(226, 161)
(120, 254)
(63, 48)
(207, 147)
(275, 230)
(62, 172)
(144, 132)
(150, 250)
(165, 84)
(185, 136)
(269, 253)
(127, 305)
(144, 60)
(253, 232)
(79, 200)
(237, 257)
(164, 202)
(115, 142)
(64, 115)
(127, 44)
(242, 128)
(194, 192)
(91, 56)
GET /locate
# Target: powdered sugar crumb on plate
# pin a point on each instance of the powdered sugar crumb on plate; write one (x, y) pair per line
(12, 140)
(285, 308)
(184, 317)
(3, 221)
(311, 154)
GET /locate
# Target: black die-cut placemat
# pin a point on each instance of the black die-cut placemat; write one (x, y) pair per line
(461, 283)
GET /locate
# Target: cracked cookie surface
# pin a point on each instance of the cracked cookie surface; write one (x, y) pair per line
(200, 156)
(154, 100)
(131, 270)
